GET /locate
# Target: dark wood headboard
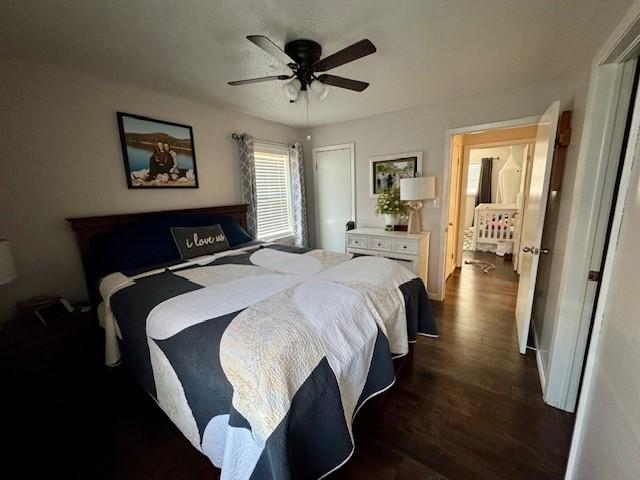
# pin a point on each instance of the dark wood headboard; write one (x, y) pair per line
(88, 227)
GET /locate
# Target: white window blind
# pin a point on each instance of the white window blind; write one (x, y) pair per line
(273, 190)
(473, 180)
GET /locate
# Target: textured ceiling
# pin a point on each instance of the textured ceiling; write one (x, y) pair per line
(428, 51)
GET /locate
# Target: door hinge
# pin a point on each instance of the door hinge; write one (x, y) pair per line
(594, 276)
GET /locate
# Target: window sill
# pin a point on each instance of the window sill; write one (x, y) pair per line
(285, 239)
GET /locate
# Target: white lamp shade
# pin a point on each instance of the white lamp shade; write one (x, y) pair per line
(418, 188)
(7, 270)
(319, 89)
(291, 89)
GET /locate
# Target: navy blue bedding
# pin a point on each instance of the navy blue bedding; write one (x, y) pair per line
(314, 437)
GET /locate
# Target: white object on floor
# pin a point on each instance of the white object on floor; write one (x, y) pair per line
(485, 266)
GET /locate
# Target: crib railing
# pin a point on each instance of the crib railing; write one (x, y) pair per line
(493, 223)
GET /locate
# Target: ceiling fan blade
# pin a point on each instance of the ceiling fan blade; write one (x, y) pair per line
(261, 79)
(353, 52)
(342, 82)
(271, 48)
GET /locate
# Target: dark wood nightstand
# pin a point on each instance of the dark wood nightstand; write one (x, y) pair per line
(35, 358)
(50, 376)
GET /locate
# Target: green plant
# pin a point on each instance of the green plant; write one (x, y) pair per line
(389, 203)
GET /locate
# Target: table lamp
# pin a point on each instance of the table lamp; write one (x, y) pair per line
(414, 190)
(7, 270)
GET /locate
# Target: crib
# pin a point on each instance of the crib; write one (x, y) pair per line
(493, 223)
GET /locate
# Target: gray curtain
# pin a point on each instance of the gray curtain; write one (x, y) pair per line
(298, 196)
(484, 185)
(248, 181)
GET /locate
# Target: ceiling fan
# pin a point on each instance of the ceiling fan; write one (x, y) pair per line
(303, 58)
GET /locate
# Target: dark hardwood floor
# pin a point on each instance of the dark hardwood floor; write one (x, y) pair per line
(469, 407)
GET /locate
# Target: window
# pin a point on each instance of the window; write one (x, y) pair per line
(473, 180)
(273, 190)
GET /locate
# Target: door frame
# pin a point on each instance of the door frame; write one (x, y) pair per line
(458, 206)
(446, 184)
(609, 94)
(352, 147)
(464, 178)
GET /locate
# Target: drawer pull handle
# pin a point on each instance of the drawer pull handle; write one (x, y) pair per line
(404, 246)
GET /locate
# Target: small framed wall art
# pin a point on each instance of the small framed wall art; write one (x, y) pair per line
(385, 171)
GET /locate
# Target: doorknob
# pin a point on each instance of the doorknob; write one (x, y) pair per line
(526, 249)
(537, 251)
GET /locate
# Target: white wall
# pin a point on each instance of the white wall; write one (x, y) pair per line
(610, 440)
(423, 128)
(61, 158)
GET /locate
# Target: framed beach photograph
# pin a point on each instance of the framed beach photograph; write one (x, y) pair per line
(156, 153)
(385, 171)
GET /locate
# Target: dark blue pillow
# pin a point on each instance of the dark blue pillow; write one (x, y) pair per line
(232, 229)
(149, 241)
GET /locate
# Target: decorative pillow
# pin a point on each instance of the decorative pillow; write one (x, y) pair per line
(148, 242)
(198, 241)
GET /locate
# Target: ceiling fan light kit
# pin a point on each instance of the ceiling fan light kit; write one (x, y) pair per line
(303, 58)
(291, 89)
(320, 90)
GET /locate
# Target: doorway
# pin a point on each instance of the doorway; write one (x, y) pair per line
(501, 142)
(497, 205)
(334, 182)
(490, 173)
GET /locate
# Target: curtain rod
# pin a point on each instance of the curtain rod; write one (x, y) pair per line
(237, 136)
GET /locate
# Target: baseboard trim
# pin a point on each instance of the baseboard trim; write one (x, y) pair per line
(543, 380)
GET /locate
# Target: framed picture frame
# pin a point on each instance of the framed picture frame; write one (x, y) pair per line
(157, 153)
(385, 171)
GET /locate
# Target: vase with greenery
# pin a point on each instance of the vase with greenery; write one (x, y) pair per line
(390, 205)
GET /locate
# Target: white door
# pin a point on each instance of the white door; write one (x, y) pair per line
(334, 186)
(533, 219)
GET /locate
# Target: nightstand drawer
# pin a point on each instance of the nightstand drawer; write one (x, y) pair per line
(356, 241)
(380, 244)
(405, 246)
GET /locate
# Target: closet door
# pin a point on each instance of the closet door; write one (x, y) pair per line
(334, 181)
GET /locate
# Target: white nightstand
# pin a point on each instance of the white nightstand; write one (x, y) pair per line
(410, 248)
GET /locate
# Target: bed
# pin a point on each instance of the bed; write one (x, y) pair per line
(493, 223)
(262, 354)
